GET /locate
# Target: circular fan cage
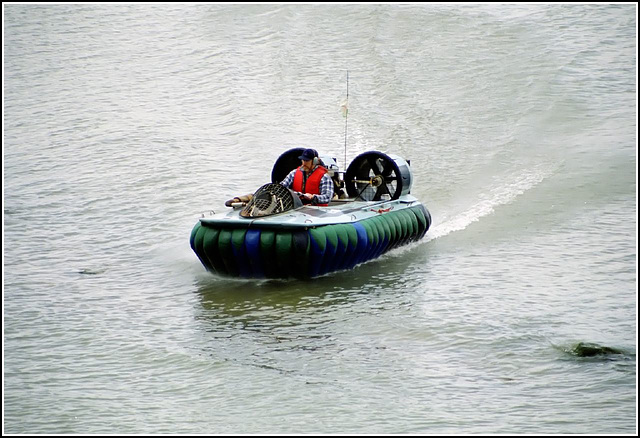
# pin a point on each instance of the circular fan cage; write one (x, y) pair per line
(374, 176)
(286, 163)
(270, 199)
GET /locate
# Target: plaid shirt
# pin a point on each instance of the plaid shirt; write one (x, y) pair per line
(326, 186)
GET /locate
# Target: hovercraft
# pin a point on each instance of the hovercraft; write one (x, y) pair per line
(271, 234)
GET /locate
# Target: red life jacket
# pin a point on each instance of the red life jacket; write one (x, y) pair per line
(312, 184)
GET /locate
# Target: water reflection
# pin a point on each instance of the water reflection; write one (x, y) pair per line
(294, 326)
(239, 299)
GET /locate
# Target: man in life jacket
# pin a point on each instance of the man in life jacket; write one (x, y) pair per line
(311, 180)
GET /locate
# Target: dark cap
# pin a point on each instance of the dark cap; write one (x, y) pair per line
(308, 154)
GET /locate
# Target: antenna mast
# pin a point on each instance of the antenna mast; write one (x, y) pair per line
(345, 110)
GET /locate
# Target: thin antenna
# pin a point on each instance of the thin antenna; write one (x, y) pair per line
(345, 111)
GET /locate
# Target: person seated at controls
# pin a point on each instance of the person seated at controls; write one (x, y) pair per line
(311, 180)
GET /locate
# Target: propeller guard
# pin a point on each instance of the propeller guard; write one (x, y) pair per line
(373, 174)
(270, 199)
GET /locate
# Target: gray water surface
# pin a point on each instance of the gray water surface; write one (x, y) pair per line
(124, 123)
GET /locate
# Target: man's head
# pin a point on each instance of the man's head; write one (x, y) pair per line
(307, 159)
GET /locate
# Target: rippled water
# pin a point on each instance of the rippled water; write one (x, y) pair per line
(124, 123)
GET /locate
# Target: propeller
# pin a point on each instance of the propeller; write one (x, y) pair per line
(372, 175)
